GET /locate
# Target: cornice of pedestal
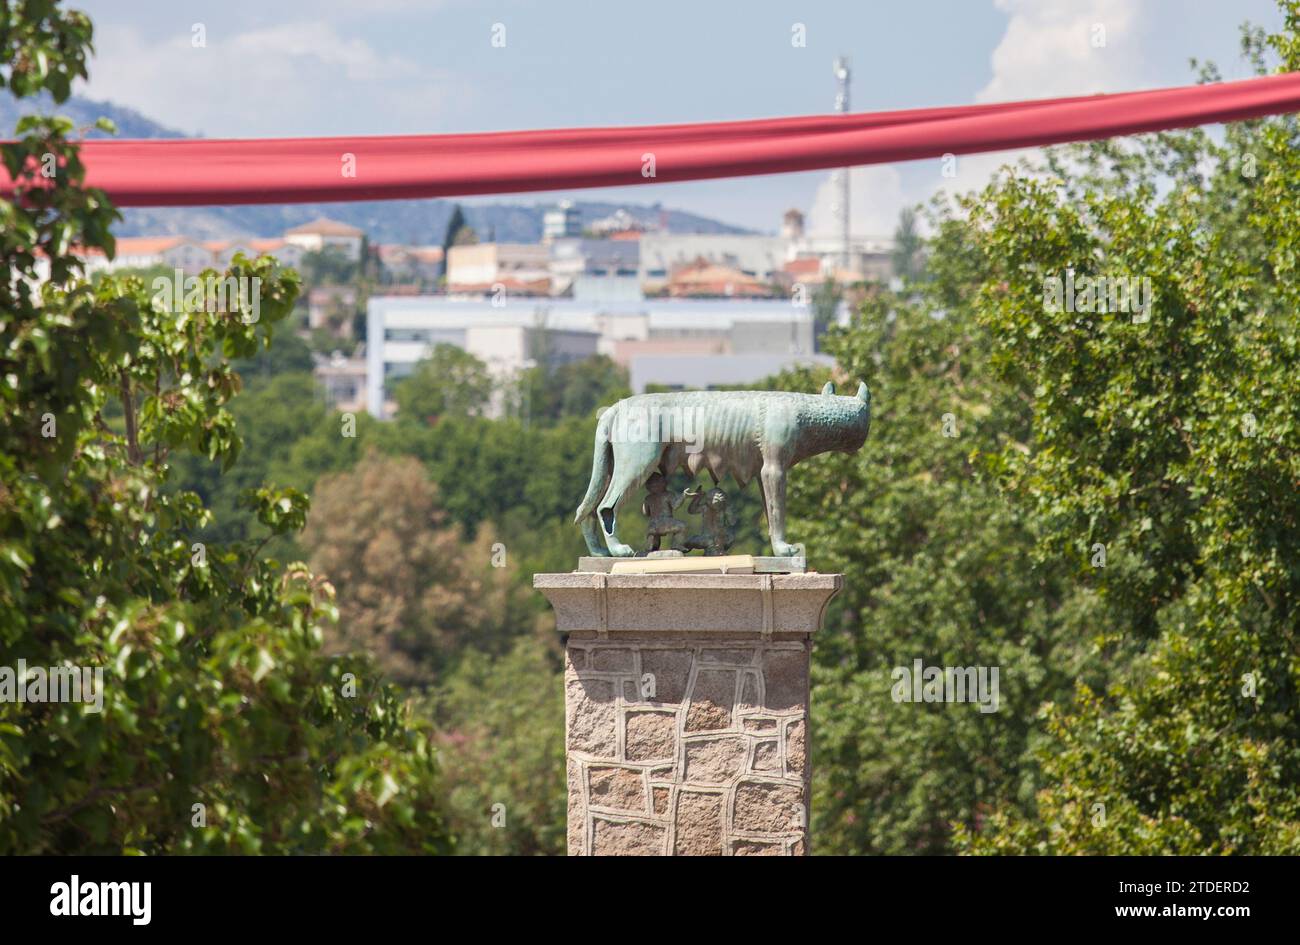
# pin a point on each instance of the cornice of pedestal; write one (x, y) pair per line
(689, 603)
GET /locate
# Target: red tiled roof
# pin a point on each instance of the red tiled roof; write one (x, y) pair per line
(804, 267)
(533, 287)
(147, 245)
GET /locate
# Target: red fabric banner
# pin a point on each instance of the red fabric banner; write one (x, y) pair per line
(195, 172)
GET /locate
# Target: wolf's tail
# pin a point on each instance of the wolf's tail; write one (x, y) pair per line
(602, 462)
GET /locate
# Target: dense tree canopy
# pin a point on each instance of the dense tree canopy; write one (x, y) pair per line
(220, 726)
(1111, 518)
(1172, 439)
(450, 382)
(411, 589)
(934, 564)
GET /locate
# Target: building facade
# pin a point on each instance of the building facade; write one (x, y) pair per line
(559, 222)
(173, 252)
(478, 267)
(759, 258)
(697, 343)
(597, 270)
(323, 233)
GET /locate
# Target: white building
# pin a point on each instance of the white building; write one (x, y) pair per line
(764, 257)
(683, 372)
(191, 256)
(285, 253)
(411, 263)
(479, 266)
(223, 251)
(595, 290)
(173, 252)
(508, 346)
(343, 381)
(322, 233)
(870, 257)
(758, 256)
(561, 221)
(675, 343)
(620, 221)
(596, 270)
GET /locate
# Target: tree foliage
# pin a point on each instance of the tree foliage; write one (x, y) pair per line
(223, 728)
(1175, 442)
(908, 246)
(1112, 522)
(548, 393)
(501, 732)
(458, 233)
(412, 590)
(449, 382)
(933, 559)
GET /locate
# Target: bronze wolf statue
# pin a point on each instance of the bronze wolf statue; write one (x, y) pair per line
(746, 433)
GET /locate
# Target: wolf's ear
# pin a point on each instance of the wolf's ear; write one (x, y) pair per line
(828, 389)
(864, 395)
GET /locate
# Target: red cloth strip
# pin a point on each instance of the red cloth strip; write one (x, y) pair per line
(196, 172)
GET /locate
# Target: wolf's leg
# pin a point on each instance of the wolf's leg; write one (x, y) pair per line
(773, 479)
(633, 464)
(591, 535)
(601, 468)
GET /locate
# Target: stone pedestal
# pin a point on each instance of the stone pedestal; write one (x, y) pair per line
(686, 701)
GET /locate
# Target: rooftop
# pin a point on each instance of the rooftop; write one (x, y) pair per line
(148, 245)
(323, 226)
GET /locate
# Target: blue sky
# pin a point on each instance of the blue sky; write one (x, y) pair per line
(334, 67)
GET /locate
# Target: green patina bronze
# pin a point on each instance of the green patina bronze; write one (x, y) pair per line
(749, 434)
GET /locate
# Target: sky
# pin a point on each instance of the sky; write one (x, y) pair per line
(342, 67)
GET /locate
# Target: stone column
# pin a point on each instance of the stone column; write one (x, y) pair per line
(686, 701)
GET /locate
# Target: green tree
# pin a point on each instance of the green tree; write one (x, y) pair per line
(288, 436)
(909, 247)
(826, 306)
(222, 727)
(501, 730)
(546, 393)
(458, 232)
(412, 591)
(449, 382)
(1171, 440)
(932, 557)
(286, 353)
(329, 265)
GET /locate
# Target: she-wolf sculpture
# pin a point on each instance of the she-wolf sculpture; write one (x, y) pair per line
(746, 433)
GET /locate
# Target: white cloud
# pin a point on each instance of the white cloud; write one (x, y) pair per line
(295, 79)
(875, 197)
(318, 43)
(1051, 48)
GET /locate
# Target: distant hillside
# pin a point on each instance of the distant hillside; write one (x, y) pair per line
(130, 123)
(392, 221)
(385, 221)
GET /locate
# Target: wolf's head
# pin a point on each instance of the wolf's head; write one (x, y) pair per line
(852, 417)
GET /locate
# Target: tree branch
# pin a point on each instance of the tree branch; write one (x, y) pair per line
(132, 434)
